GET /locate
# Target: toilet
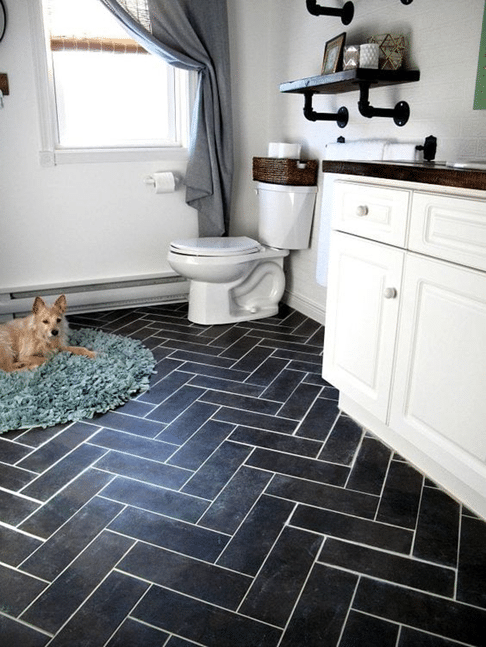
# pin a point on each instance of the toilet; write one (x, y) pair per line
(237, 278)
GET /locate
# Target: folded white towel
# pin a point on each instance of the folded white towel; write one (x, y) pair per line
(404, 152)
(365, 149)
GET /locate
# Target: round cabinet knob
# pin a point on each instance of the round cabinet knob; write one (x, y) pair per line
(362, 210)
(390, 293)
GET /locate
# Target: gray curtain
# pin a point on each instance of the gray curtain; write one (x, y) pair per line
(193, 35)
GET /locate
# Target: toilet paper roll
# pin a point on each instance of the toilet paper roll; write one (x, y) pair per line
(163, 182)
(284, 150)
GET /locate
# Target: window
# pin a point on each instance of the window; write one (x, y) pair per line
(106, 93)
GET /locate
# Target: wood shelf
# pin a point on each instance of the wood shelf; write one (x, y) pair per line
(349, 81)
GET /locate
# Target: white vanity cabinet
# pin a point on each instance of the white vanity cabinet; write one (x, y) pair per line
(405, 336)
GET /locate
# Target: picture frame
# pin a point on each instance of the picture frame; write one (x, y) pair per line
(333, 55)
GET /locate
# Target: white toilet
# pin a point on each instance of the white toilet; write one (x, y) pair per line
(237, 278)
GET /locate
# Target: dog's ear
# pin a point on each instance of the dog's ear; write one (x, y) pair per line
(61, 303)
(38, 305)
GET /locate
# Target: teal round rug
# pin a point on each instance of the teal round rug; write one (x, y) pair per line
(71, 387)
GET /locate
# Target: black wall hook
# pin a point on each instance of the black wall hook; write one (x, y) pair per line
(346, 13)
(400, 113)
(341, 117)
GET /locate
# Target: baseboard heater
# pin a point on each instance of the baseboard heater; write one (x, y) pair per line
(110, 294)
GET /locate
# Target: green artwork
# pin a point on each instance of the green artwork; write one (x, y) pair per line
(480, 94)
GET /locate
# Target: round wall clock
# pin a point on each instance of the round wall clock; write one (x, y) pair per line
(3, 19)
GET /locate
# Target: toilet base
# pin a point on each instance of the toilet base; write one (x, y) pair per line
(209, 305)
(255, 297)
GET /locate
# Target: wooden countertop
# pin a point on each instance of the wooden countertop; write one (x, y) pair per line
(422, 172)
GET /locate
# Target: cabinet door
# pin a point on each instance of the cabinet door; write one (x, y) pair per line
(361, 319)
(440, 383)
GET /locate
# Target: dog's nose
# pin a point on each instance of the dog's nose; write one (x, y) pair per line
(55, 332)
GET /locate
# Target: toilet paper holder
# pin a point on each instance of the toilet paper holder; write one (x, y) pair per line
(149, 180)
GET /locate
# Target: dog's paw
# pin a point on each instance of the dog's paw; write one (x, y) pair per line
(90, 353)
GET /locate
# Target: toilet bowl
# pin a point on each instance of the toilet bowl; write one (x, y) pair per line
(231, 279)
(238, 278)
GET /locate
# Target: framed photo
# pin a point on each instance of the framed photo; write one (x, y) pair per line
(333, 55)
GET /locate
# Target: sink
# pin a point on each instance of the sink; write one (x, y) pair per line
(472, 164)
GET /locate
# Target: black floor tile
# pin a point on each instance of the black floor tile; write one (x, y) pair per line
(284, 383)
(136, 634)
(437, 528)
(274, 440)
(251, 543)
(370, 467)
(201, 445)
(51, 452)
(277, 586)
(214, 473)
(68, 592)
(190, 420)
(203, 623)
(362, 531)
(322, 609)
(297, 405)
(15, 478)
(471, 584)
(435, 615)
(232, 504)
(15, 634)
(51, 516)
(255, 419)
(385, 566)
(155, 450)
(15, 508)
(15, 546)
(61, 473)
(361, 629)
(155, 499)
(102, 613)
(192, 577)
(309, 468)
(401, 495)
(319, 420)
(343, 442)
(170, 533)
(141, 469)
(64, 545)
(18, 590)
(324, 496)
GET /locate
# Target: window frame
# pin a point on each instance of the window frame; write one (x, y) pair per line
(52, 154)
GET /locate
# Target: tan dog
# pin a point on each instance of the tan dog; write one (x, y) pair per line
(31, 341)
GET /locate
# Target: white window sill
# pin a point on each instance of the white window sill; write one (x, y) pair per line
(101, 155)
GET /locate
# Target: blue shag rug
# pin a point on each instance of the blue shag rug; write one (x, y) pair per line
(71, 387)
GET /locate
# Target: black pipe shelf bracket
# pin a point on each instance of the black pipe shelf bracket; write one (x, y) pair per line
(349, 81)
(341, 117)
(346, 12)
(400, 113)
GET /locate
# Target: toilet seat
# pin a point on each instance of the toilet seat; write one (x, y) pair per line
(216, 246)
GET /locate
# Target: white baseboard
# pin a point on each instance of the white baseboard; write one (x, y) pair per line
(126, 292)
(316, 311)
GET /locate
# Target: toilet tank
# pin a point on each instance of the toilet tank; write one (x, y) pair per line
(285, 215)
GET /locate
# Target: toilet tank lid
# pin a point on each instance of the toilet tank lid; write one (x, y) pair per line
(216, 246)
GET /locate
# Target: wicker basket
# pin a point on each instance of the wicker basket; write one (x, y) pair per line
(285, 171)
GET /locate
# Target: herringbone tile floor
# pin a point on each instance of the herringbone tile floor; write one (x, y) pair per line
(230, 506)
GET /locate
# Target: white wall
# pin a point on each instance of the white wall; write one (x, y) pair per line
(125, 229)
(444, 44)
(74, 221)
